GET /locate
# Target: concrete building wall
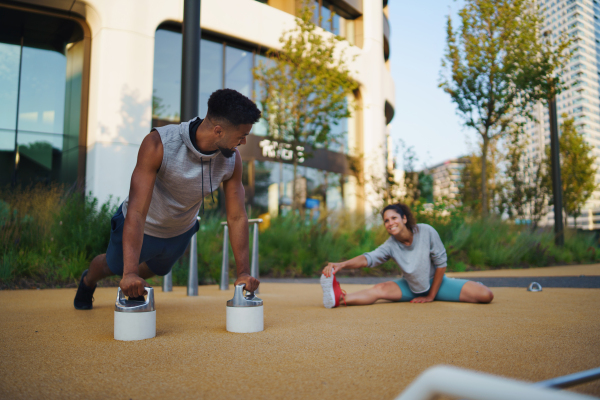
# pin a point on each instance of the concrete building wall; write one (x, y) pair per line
(121, 76)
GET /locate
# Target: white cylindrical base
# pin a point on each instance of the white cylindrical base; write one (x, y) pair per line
(245, 319)
(135, 326)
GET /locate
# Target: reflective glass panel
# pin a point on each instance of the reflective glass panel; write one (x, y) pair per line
(42, 97)
(238, 70)
(339, 134)
(325, 16)
(211, 71)
(336, 24)
(9, 75)
(39, 156)
(260, 128)
(166, 94)
(9, 81)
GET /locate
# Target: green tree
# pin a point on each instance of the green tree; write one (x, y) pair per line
(470, 182)
(493, 66)
(426, 186)
(524, 193)
(304, 89)
(576, 167)
(411, 176)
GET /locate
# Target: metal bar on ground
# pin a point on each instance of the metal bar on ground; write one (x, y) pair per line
(456, 382)
(225, 265)
(571, 380)
(192, 288)
(168, 282)
(250, 221)
(254, 263)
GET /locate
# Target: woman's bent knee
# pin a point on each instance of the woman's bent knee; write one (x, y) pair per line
(486, 296)
(388, 291)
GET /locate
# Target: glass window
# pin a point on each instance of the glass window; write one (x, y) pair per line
(339, 134)
(167, 73)
(211, 71)
(9, 75)
(41, 68)
(260, 128)
(42, 97)
(9, 81)
(238, 70)
(274, 185)
(330, 21)
(41, 114)
(166, 94)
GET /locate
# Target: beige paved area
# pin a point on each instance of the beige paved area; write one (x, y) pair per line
(49, 350)
(568, 270)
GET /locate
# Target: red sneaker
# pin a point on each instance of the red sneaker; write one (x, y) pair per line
(332, 292)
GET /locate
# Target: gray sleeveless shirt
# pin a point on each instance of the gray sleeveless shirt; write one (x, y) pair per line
(185, 175)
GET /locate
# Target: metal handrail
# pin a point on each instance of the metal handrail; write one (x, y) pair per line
(566, 381)
(456, 382)
(192, 288)
(250, 221)
(225, 264)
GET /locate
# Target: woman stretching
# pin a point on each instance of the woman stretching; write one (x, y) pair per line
(419, 252)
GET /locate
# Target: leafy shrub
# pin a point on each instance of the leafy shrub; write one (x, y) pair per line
(49, 236)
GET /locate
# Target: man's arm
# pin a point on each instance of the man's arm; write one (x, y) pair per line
(237, 220)
(140, 194)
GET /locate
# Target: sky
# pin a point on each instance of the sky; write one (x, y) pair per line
(425, 117)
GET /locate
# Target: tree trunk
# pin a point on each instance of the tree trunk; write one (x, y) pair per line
(294, 191)
(342, 181)
(484, 150)
(326, 183)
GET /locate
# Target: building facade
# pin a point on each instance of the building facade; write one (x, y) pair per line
(578, 18)
(447, 179)
(86, 81)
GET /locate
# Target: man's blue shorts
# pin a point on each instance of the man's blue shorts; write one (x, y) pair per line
(158, 253)
(449, 289)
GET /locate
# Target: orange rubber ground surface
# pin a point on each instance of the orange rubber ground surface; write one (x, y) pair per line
(49, 350)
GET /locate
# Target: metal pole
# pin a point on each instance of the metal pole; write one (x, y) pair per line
(254, 263)
(190, 63)
(168, 282)
(559, 238)
(192, 288)
(225, 265)
(571, 380)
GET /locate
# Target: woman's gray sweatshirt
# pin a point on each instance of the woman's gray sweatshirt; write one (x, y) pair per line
(418, 261)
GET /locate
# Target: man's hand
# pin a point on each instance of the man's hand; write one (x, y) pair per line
(133, 286)
(251, 283)
(423, 299)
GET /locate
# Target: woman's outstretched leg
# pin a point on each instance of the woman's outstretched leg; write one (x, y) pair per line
(382, 291)
(334, 296)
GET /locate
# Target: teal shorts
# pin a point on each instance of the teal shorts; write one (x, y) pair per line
(449, 289)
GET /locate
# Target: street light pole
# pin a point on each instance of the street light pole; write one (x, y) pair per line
(559, 237)
(190, 93)
(190, 62)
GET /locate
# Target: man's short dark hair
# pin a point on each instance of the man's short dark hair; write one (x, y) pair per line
(232, 106)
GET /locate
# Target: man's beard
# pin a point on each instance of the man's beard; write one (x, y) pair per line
(227, 153)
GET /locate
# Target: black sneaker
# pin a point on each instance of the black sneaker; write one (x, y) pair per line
(85, 295)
